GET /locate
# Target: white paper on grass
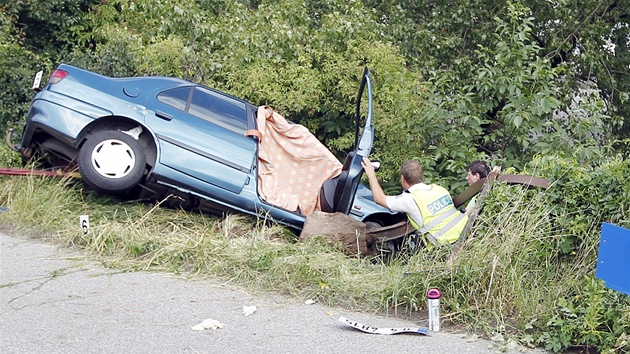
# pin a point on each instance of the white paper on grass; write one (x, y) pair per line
(375, 330)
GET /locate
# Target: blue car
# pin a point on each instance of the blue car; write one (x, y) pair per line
(160, 136)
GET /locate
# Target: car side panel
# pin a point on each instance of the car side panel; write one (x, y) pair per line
(202, 150)
(66, 108)
(364, 204)
(247, 202)
(83, 89)
(200, 165)
(62, 114)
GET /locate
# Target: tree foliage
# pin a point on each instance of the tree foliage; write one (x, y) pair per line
(18, 65)
(592, 37)
(500, 82)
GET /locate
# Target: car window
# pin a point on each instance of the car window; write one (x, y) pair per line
(219, 109)
(175, 97)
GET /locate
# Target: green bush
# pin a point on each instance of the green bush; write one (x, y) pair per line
(9, 158)
(17, 70)
(562, 250)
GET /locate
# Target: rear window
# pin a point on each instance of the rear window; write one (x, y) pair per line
(176, 97)
(219, 109)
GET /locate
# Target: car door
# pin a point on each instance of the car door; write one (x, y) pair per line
(352, 171)
(201, 133)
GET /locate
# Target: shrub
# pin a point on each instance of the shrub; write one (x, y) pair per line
(557, 295)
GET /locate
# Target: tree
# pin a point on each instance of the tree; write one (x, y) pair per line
(488, 80)
(575, 37)
(18, 66)
(51, 26)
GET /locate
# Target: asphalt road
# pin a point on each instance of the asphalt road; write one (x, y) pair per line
(56, 301)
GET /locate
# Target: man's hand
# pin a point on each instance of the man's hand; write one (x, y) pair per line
(367, 167)
(377, 192)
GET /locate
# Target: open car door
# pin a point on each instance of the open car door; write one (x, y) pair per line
(337, 194)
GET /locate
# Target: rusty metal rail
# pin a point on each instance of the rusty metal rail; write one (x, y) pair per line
(388, 233)
(8, 171)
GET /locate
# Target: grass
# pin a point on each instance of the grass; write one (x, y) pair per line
(502, 281)
(135, 236)
(244, 251)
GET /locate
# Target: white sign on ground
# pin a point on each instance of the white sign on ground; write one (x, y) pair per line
(374, 330)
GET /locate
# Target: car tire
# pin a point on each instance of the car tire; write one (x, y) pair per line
(111, 162)
(373, 225)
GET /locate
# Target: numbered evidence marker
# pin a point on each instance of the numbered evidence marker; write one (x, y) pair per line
(84, 221)
(37, 80)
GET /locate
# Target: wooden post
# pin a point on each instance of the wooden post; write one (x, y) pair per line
(487, 186)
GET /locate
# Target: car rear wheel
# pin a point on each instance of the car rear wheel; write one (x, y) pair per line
(111, 162)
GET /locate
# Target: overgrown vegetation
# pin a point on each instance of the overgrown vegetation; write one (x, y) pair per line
(537, 87)
(454, 83)
(526, 272)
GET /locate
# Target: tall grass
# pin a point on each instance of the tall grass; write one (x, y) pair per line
(485, 275)
(505, 270)
(238, 249)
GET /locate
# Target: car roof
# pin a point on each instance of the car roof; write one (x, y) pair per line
(157, 82)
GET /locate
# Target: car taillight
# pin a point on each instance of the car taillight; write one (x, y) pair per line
(57, 76)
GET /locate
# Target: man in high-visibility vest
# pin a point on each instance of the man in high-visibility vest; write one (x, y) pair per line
(429, 207)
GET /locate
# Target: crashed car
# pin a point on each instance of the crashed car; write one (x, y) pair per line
(164, 136)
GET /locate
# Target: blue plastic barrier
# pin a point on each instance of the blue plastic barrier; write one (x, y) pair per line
(613, 259)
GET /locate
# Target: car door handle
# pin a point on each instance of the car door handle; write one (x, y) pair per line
(163, 115)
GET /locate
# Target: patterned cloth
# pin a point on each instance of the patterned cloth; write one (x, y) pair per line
(292, 163)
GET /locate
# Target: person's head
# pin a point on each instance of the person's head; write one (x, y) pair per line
(411, 173)
(475, 171)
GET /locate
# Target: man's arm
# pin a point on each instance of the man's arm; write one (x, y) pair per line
(470, 206)
(377, 191)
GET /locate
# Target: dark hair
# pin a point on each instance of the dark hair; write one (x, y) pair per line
(412, 172)
(478, 167)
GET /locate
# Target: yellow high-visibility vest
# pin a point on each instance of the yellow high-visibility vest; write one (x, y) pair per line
(442, 222)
